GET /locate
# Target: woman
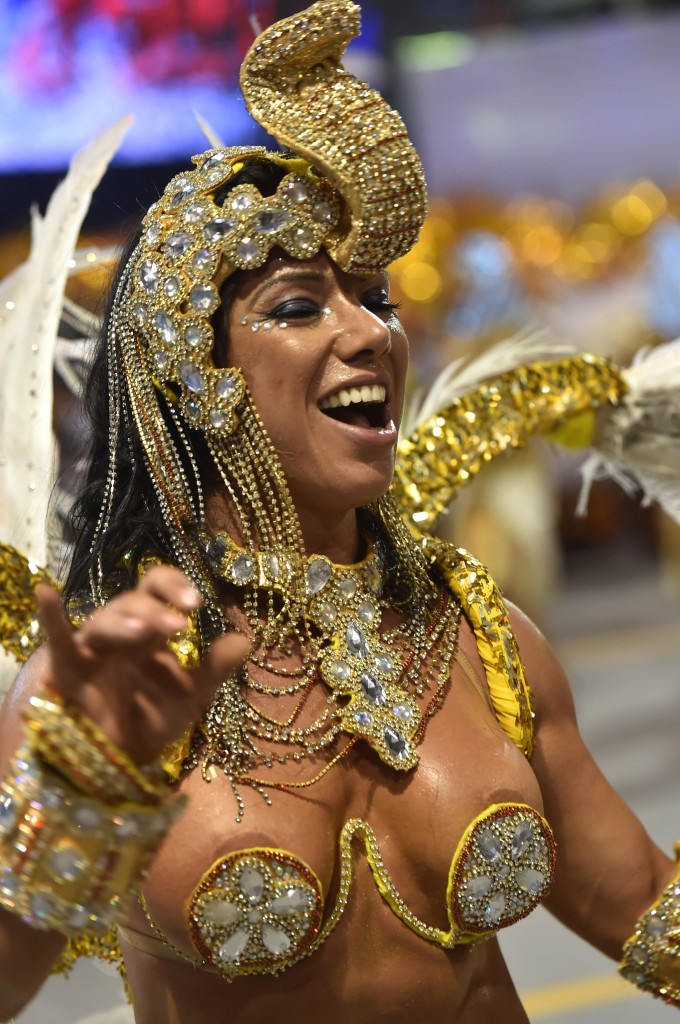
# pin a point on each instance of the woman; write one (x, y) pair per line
(360, 699)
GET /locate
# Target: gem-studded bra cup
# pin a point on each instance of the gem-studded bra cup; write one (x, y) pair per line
(261, 910)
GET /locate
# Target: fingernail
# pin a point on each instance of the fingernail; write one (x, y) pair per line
(190, 597)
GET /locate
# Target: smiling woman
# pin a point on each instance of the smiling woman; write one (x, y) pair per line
(360, 780)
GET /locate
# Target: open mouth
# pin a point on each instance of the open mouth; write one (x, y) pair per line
(359, 407)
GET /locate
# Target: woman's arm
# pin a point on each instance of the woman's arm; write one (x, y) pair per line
(608, 869)
(118, 670)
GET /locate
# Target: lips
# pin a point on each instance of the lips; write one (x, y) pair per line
(363, 406)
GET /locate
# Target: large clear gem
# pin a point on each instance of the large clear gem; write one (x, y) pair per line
(270, 221)
(216, 550)
(225, 387)
(318, 575)
(242, 570)
(217, 228)
(247, 248)
(290, 902)
(275, 940)
(372, 688)
(190, 375)
(356, 640)
(161, 361)
(384, 664)
(363, 719)
(217, 418)
(193, 335)
(79, 917)
(326, 613)
(232, 947)
(395, 742)
(86, 815)
(366, 612)
(322, 211)
(194, 213)
(530, 880)
(203, 297)
(202, 260)
(347, 588)
(67, 863)
(336, 671)
(221, 912)
(42, 906)
(521, 840)
(478, 887)
(184, 190)
(493, 911)
(298, 191)
(9, 812)
(241, 203)
(402, 711)
(193, 410)
(172, 287)
(141, 314)
(251, 884)
(655, 926)
(148, 276)
(214, 162)
(165, 327)
(305, 237)
(177, 244)
(489, 845)
(152, 234)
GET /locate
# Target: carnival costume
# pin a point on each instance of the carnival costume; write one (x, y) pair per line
(352, 186)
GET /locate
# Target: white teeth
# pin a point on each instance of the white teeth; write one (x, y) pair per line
(368, 393)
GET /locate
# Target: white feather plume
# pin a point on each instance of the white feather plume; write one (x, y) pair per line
(466, 373)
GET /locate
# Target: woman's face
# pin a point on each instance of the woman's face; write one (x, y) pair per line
(329, 386)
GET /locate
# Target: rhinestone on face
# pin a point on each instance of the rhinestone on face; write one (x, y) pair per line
(275, 940)
(251, 884)
(191, 376)
(318, 575)
(489, 846)
(356, 640)
(373, 690)
(232, 947)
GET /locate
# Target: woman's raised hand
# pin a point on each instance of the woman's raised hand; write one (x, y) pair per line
(119, 669)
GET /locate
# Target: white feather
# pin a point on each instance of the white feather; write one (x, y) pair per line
(466, 373)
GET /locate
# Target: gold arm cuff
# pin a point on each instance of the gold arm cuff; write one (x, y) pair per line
(67, 861)
(651, 956)
(75, 747)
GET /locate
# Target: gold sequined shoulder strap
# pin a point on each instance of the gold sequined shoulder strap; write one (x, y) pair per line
(485, 609)
(19, 630)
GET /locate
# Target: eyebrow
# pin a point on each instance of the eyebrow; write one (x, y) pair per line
(288, 275)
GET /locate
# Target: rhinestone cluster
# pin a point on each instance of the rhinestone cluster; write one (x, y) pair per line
(651, 957)
(504, 870)
(190, 244)
(255, 912)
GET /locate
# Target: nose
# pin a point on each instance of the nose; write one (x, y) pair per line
(360, 332)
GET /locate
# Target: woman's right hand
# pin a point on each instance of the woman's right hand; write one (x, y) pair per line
(118, 669)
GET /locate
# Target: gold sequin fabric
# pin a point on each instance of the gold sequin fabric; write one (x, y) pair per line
(452, 446)
(19, 628)
(295, 86)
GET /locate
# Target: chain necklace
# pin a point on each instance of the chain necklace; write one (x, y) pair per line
(373, 679)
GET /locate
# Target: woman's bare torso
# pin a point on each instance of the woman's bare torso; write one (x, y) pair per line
(372, 966)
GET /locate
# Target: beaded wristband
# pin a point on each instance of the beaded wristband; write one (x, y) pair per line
(651, 957)
(68, 861)
(76, 748)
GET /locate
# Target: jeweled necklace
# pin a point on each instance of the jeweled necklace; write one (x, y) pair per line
(339, 637)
